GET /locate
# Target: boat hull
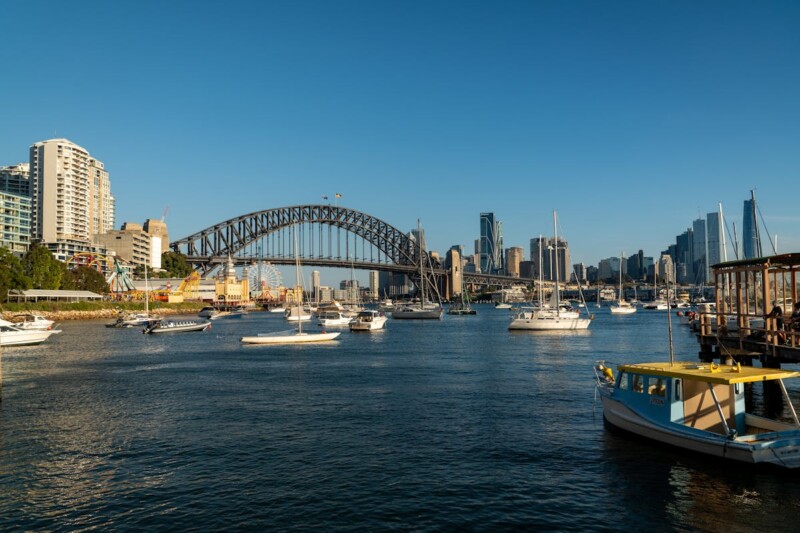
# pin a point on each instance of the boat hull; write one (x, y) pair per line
(25, 337)
(781, 451)
(549, 323)
(419, 314)
(375, 325)
(178, 327)
(622, 310)
(290, 338)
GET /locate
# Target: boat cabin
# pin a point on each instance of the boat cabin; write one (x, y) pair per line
(702, 397)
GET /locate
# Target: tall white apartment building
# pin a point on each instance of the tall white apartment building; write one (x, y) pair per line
(70, 196)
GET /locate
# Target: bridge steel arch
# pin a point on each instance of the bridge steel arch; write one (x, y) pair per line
(206, 249)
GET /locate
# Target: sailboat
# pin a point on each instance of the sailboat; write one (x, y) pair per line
(297, 336)
(138, 319)
(549, 317)
(463, 307)
(657, 302)
(622, 307)
(424, 309)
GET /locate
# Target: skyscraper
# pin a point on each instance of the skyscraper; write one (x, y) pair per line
(751, 245)
(491, 244)
(715, 237)
(699, 252)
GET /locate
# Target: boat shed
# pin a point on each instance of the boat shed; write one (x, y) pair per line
(741, 326)
(41, 295)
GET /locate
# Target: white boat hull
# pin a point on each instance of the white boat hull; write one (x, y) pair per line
(373, 325)
(549, 323)
(622, 310)
(290, 338)
(783, 452)
(25, 337)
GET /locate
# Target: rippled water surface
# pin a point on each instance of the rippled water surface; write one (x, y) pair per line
(458, 424)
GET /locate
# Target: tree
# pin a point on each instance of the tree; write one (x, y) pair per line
(44, 270)
(86, 278)
(175, 264)
(12, 276)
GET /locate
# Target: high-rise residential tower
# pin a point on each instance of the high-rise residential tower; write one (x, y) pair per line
(70, 196)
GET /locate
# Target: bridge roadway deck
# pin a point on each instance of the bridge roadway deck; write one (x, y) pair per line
(469, 277)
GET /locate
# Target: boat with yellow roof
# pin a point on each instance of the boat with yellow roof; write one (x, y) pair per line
(701, 407)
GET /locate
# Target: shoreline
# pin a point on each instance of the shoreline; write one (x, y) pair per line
(95, 314)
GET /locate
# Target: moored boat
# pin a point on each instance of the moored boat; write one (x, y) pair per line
(333, 318)
(702, 408)
(11, 335)
(177, 326)
(369, 320)
(31, 321)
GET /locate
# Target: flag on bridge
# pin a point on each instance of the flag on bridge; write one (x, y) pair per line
(324, 197)
(338, 195)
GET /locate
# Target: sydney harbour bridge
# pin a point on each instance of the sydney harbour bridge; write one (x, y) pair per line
(325, 236)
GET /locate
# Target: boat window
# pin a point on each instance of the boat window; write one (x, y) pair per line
(623, 381)
(657, 389)
(736, 389)
(638, 383)
(677, 389)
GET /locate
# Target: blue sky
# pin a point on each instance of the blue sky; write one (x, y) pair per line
(630, 118)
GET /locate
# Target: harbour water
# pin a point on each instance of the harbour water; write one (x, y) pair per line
(458, 424)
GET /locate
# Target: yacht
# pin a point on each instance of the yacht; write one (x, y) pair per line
(369, 320)
(11, 335)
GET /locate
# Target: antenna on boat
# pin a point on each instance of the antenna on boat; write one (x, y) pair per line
(669, 323)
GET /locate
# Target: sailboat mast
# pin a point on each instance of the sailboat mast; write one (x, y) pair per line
(555, 236)
(620, 276)
(541, 277)
(297, 282)
(146, 292)
(421, 270)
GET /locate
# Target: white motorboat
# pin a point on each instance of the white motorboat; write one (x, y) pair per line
(11, 335)
(32, 321)
(502, 305)
(333, 318)
(369, 320)
(297, 336)
(178, 326)
(549, 317)
(702, 408)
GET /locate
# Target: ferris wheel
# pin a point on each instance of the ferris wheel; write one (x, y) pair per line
(264, 276)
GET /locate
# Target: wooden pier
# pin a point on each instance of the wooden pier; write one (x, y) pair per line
(738, 327)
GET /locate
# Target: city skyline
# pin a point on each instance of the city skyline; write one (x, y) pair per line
(692, 253)
(630, 120)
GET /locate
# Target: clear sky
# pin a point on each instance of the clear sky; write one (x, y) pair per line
(630, 118)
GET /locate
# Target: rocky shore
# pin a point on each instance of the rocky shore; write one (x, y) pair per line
(95, 314)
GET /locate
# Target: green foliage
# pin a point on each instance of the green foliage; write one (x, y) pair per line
(12, 276)
(44, 270)
(175, 264)
(68, 282)
(86, 278)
